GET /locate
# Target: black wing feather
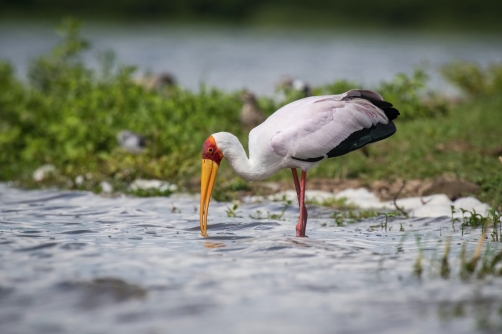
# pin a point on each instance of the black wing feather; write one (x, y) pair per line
(364, 136)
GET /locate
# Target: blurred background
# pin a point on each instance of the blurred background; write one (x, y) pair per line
(116, 90)
(255, 44)
(118, 96)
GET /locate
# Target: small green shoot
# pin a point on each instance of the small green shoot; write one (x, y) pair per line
(287, 204)
(232, 211)
(257, 216)
(336, 203)
(174, 209)
(445, 266)
(275, 216)
(469, 267)
(417, 266)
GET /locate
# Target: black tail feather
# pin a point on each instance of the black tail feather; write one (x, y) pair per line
(364, 136)
(387, 108)
(391, 113)
(357, 140)
(379, 104)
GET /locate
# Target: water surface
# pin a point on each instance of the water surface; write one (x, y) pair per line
(77, 262)
(236, 57)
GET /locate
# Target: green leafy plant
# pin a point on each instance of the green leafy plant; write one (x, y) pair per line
(336, 87)
(338, 203)
(353, 216)
(472, 79)
(275, 216)
(232, 211)
(410, 96)
(286, 205)
(445, 266)
(68, 115)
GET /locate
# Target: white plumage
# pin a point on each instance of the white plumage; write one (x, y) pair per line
(306, 128)
(312, 126)
(301, 134)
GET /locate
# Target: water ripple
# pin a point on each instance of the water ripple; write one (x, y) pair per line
(42, 246)
(130, 265)
(77, 232)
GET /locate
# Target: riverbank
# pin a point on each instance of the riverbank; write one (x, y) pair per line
(68, 115)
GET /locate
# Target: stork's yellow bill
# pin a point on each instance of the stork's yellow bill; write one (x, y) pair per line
(211, 158)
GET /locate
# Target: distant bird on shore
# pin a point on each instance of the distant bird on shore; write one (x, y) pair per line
(288, 83)
(156, 81)
(298, 135)
(251, 115)
(131, 142)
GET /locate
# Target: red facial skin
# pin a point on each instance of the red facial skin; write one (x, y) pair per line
(211, 151)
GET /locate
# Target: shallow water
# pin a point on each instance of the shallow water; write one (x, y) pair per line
(235, 57)
(77, 262)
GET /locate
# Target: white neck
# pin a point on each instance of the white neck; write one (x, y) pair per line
(232, 149)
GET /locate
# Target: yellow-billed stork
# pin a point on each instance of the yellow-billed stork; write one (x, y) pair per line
(298, 135)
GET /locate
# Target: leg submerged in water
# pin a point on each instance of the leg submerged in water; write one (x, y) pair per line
(300, 193)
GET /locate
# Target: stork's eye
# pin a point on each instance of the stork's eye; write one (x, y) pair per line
(210, 150)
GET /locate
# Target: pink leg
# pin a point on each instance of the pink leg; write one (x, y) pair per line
(300, 191)
(297, 184)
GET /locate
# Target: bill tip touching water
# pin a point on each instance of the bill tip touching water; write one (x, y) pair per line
(299, 135)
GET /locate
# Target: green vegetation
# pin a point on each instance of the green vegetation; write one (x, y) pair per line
(408, 94)
(336, 203)
(474, 80)
(351, 216)
(486, 259)
(275, 216)
(68, 115)
(232, 211)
